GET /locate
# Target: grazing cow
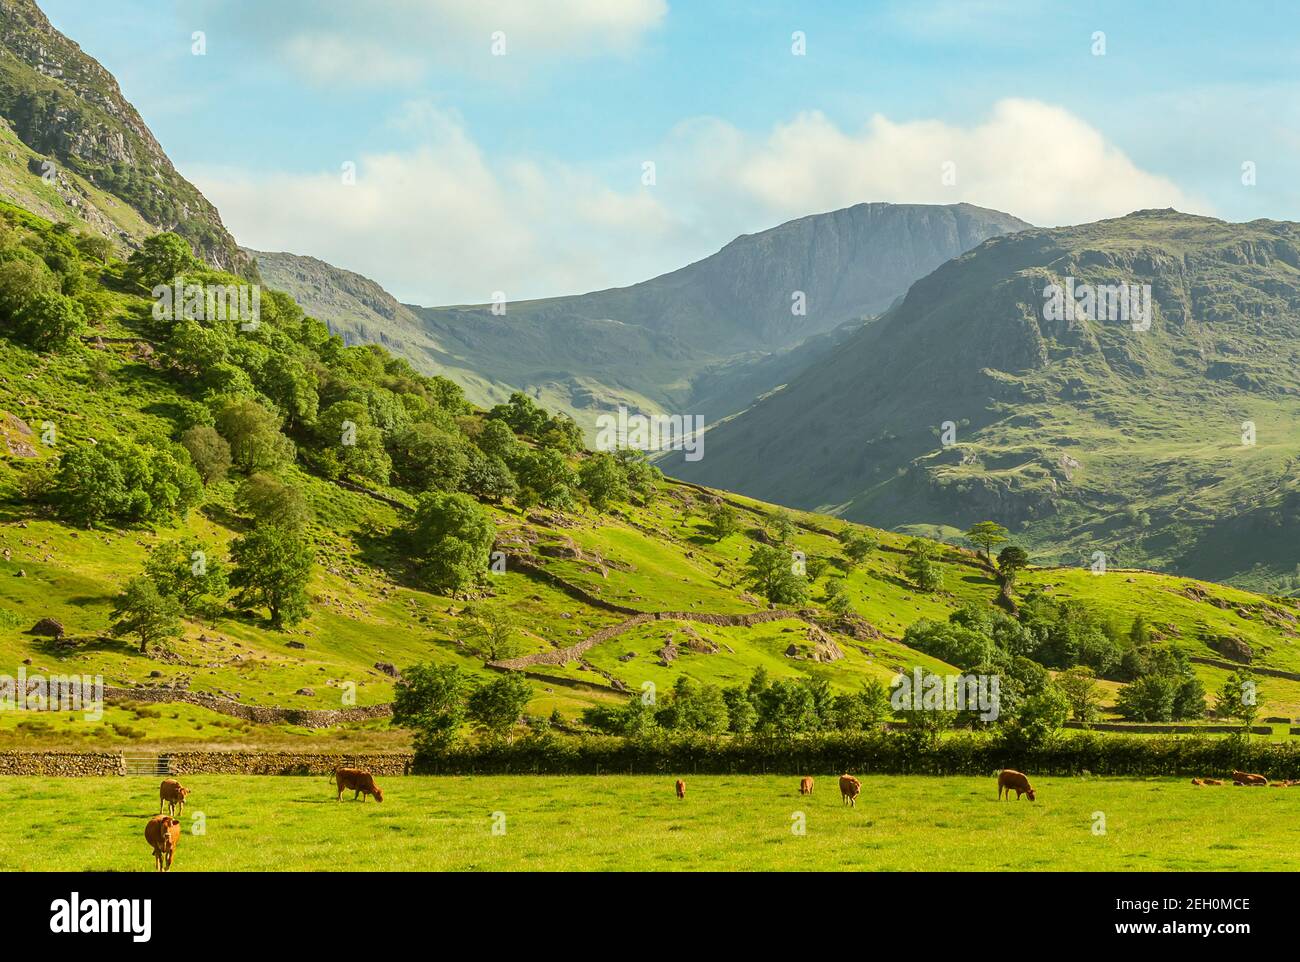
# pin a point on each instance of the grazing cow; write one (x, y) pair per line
(849, 789)
(164, 833)
(1211, 781)
(172, 797)
(681, 788)
(1197, 781)
(1245, 778)
(805, 786)
(357, 781)
(1009, 779)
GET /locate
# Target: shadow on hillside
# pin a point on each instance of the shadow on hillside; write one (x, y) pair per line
(85, 601)
(12, 512)
(72, 645)
(379, 550)
(222, 515)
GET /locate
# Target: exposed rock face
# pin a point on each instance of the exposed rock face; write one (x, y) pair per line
(18, 437)
(63, 104)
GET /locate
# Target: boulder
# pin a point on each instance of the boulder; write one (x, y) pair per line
(48, 627)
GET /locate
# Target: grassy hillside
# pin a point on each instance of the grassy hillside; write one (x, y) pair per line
(1080, 434)
(570, 570)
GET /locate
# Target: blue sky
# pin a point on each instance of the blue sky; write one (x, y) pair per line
(524, 172)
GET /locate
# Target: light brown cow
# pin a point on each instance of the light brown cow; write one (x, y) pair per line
(1211, 781)
(172, 797)
(358, 781)
(164, 833)
(1197, 781)
(681, 788)
(1246, 778)
(805, 786)
(849, 789)
(1009, 779)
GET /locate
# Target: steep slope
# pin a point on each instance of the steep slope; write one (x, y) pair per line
(1082, 435)
(66, 108)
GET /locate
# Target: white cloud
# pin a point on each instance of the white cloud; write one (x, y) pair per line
(442, 223)
(1031, 159)
(394, 42)
(438, 224)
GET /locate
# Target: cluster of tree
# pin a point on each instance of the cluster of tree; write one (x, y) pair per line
(48, 282)
(776, 708)
(124, 482)
(270, 567)
(1162, 686)
(436, 701)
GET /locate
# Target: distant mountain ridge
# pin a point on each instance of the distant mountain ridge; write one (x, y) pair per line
(1082, 435)
(67, 109)
(665, 343)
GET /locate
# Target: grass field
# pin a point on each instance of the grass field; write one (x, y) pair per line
(742, 823)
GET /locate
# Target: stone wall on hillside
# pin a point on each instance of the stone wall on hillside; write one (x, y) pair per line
(61, 764)
(91, 764)
(285, 763)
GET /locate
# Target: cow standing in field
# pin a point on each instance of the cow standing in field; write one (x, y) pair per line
(805, 786)
(357, 781)
(1245, 778)
(849, 789)
(1009, 779)
(172, 797)
(164, 833)
(681, 788)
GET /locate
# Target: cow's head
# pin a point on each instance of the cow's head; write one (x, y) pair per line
(1030, 793)
(185, 793)
(171, 831)
(379, 793)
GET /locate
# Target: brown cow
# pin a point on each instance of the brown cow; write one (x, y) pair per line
(805, 786)
(849, 789)
(1210, 781)
(172, 797)
(1197, 781)
(1245, 778)
(164, 833)
(357, 781)
(681, 788)
(1009, 779)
